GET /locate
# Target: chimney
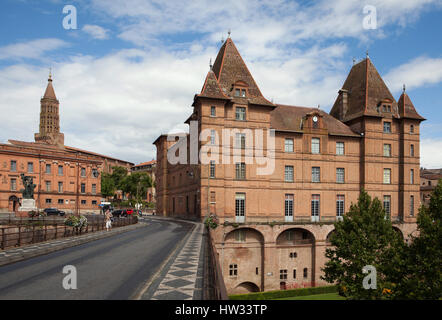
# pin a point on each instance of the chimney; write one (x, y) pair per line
(343, 95)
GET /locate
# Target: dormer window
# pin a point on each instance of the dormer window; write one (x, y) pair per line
(386, 108)
(237, 92)
(240, 89)
(243, 93)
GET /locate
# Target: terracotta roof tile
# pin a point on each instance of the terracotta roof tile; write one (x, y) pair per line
(288, 118)
(406, 108)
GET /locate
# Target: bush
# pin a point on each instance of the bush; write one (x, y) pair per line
(271, 295)
(76, 222)
(211, 222)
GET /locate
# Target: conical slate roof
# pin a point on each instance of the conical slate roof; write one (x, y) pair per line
(230, 69)
(49, 93)
(366, 90)
(406, 108)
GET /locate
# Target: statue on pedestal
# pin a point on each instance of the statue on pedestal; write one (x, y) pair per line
(28, 183)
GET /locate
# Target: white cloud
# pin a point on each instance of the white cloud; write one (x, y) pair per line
(416, 73)
(431, 153)
(34, 49)
(96, 32)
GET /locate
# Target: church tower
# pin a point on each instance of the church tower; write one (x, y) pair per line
(49, 131)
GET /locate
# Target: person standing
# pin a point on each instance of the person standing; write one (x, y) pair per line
(107, 217)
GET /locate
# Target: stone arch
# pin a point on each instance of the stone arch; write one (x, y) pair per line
(246, 287)
(295, 236)
(327, 239)
(13, 203)
(399, 232)
(244, 247)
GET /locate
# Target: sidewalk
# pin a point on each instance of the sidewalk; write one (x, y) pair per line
(25, 252)
(182, 276)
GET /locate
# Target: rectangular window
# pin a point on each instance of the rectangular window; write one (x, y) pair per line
(212, 197)
(315, 207)
(60, 201)
(387, 176)
(240, 140)
(240, 207)
(60, 170)
(411, 176)
(288, 146)
(83, 188)
(240, 171)
(294, 273)
(30, 167)
(243, 93)
(411, 206)
(412, 150)
(340, 175)
(387, 127)
(340, 148)
(316, 174)
(94, 202)
(411, 128)
(387, 150)
(340, 202)
(83, 202)
(240, 113)
(305, 273)
(387, 205)
(288, 207)
(283, 274)
(48, 186)
(240, 235)
(237, 92)
(212, 137)
(233, 270)
(83, 172)
(13, 184)
(212, 168)
(94, 173)
(289, 174)
(13, 165)
(48, 169)
(213, 111)
(60, 187)
(48, 201)
(94, 188)
(315, 145)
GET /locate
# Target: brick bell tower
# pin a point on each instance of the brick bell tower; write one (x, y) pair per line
(49, 131)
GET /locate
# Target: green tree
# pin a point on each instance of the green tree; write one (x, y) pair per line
(364, 237)
(118, 175)
(420, 272)
(136, 184)
(108, 187)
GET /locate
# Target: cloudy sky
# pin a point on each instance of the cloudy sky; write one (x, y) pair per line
(129, 71)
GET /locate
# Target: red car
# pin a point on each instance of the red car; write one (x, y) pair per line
(130, 211)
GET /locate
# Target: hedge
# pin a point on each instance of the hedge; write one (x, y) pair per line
(271, 295)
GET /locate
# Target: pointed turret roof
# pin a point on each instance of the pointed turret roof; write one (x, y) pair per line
(406, 108)
(211, 88)
(366, 90)
(49, 93)
(230, 69)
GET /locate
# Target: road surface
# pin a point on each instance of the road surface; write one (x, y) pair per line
(117, 267)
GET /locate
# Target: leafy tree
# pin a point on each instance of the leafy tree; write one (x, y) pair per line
(136, 184)
(364, 237)
(108, 187)
(118, 175)
(420, 273)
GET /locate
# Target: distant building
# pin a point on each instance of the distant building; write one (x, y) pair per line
(274, 228)
(67, 178)
(149, 168)
(429, 181)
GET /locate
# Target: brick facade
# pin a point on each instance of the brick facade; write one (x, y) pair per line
(321, 163)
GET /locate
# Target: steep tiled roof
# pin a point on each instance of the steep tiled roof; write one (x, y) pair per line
(50, 93)
(146, 163)
(289, 118)
(211, 88)
(366, 90)
(406, 108)
(229, 69)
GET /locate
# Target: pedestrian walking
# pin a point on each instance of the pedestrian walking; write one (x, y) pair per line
(108, 217)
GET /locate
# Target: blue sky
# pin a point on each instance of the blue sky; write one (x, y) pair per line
(129, 71)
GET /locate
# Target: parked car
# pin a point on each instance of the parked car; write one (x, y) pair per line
(54, 212)
(129, 211)
(118, 213)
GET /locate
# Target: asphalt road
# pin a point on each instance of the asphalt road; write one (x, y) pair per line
(112, 268)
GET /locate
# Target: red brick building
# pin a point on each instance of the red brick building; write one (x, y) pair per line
(273, 228)
(67, 178)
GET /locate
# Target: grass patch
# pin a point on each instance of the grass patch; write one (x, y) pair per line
(279, 294)
(324, 296)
